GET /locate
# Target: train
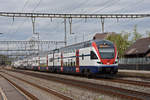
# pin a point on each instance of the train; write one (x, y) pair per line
(85, 58)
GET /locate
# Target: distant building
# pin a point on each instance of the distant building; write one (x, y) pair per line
(100, 36)
(141, 48)
(137, 56)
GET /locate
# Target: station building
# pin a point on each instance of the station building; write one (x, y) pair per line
(100, 36)
(141, 48)
(137, 56)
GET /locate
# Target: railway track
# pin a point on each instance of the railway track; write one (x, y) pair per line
(61, 96)
(109, 90)
(132, 82)
(141, 77)
(29, 95)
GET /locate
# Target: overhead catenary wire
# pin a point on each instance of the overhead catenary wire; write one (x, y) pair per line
(21, 24)
(37, 5)
(136, 4)
(25, 4)
(12, 24)
(106, 5)
(124, 9)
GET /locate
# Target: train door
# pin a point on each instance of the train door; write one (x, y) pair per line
(53, 59)
(47, 63)
(39, 63)
(77, 61)
(61, 62)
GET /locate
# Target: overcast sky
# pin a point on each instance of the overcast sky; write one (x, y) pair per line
(21, 28)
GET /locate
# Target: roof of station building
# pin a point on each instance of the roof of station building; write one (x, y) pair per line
(141, 46)
(101, 36)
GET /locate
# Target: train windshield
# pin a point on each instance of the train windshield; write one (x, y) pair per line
(107, 53)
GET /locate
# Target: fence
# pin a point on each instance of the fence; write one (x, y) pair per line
(134, 61)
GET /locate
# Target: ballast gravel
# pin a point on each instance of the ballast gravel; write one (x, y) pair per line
(101, 82)
(71, 91)
(33, 90)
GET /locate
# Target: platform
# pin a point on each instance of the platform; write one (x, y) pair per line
(134, 73)
(1, 98)
(8, 92)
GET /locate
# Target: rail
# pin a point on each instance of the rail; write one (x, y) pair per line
(104, 89)
(63, 97)
(31, 96)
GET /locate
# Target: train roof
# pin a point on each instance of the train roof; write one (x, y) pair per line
(80, 45)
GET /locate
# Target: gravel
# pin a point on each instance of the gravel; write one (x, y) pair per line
(120, 85)
(74, 92)
(41, 95)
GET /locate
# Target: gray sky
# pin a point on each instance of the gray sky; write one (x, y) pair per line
(21, 28)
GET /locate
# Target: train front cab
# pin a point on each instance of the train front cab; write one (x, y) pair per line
(104, 54)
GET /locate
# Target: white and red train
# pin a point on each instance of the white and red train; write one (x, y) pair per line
(90, 57)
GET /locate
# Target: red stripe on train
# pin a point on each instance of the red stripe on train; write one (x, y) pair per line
(61, 62)
(77, 61)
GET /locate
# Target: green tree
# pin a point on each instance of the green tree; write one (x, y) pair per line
(136, 34)
(4, 60)
(148, 33)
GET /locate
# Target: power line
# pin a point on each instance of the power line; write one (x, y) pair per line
(38, 4)
(21, 24)
(111, 5)
(70, 16)
(49, 15)
(107, 5)
(123, 9)
(25, 4)
(12, 24)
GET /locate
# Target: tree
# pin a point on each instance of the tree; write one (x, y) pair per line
(148, 33)
(4, 60)
(122, 40)
(136, 34)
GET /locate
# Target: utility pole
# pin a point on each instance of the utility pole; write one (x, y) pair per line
(102, 22)
(83, 37)
(65, 32)
(70, 23)
(33, 24)
(38, 41)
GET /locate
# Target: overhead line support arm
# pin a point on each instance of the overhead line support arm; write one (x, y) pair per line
(48, 15)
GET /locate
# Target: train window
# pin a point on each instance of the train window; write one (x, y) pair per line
(58, 59)
(51, 60)
(63, 64)
(66, 64)
(71, 64)
(82, 56)
(93, 55)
